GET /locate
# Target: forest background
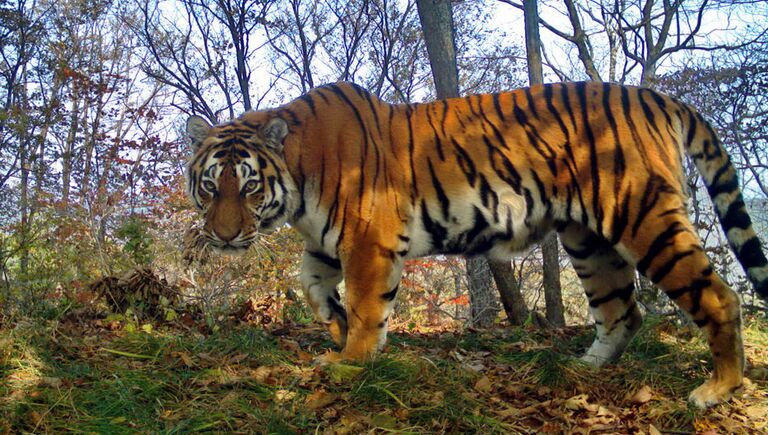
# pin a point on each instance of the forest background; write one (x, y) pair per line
(94, 96)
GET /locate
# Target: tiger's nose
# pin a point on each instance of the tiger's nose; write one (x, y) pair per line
(227, 234)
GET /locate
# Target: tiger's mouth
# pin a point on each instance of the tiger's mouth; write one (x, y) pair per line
(229, 248)
(235, 246)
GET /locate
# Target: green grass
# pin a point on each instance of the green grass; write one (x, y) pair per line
(60, 377)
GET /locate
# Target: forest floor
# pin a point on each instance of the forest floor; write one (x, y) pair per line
(84, 374)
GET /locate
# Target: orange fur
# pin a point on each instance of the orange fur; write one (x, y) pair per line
(369, 184)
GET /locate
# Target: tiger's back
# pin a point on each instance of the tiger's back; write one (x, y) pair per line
(491, 174)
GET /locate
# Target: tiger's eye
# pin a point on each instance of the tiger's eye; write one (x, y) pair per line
(209, 186)
(250, 186)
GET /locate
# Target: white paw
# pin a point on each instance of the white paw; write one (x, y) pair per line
(710, 394)
(594, 360)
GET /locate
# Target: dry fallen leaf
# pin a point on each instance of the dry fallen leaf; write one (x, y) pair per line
(577, 403)
(284, 395)
(320, 399)
(643, 395)
(483, 384)
(262, 374)
(653, 431)
(185, 358)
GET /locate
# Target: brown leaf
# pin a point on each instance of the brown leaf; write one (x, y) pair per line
(304, 356)
(483, 385)
(652, 430)
(284, 395)
(319, 399)
(263, 374)
(185, 358)
(643, 395)
(577, 403)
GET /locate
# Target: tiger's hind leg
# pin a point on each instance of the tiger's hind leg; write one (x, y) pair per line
(320, 275)
(609, 284)
(668, 251)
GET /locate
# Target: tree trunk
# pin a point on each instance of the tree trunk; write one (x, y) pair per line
(436, 18)
(509, 291)
(483, 305)
(553, 296)
(549, 252)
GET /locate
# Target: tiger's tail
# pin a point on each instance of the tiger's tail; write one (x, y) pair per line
(714, 165)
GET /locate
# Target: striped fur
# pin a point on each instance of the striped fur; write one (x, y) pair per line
(369, 184)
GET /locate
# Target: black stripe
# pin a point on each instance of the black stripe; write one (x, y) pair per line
(496, 132)
(624, 317)
(444, 117)
(408, 116)
(534, 137)
(723, 187)
(654, 187)
(441, 196)
(333, 263)
(648, 112)
(542, 191)
(438, 141)
(465, 163)
(531, 103)
(691, 129)
(511, 176)
(337, 309)
(479, 225)
(659, 100)
(342, 96)
(667, 267)
(695, 289)
(596, 208)
(333, 210)
(436, 231)
(307, 98)
(564, 89)
(390, 295)
(374, 113)
(583, 253)
(719, 173)
(342, 226)
(624, 293)
(751, 255)
(556, 114)
(736, 216)
(621, 217)
(497, 106)
(662, 241)
(701, 322)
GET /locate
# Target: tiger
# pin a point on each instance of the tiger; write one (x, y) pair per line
(370, 184)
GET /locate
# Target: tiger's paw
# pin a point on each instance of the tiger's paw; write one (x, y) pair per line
(329, 357)
(711, 393)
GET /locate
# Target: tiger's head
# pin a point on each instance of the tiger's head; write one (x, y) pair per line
(238, 178)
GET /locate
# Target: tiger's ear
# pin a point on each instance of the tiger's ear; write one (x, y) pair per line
(273, 132)
(197, 129)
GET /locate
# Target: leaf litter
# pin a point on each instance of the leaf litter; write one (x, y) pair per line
(88, 375)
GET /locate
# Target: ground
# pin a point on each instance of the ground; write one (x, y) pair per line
(100, 375)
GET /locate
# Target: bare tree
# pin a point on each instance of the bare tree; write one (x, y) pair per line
(637, 35)
(206, 56)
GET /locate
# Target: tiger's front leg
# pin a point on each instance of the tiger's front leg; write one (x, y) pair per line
(372, 275)
(320, 274)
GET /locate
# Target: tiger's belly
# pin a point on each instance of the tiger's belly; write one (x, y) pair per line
(498, 226)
